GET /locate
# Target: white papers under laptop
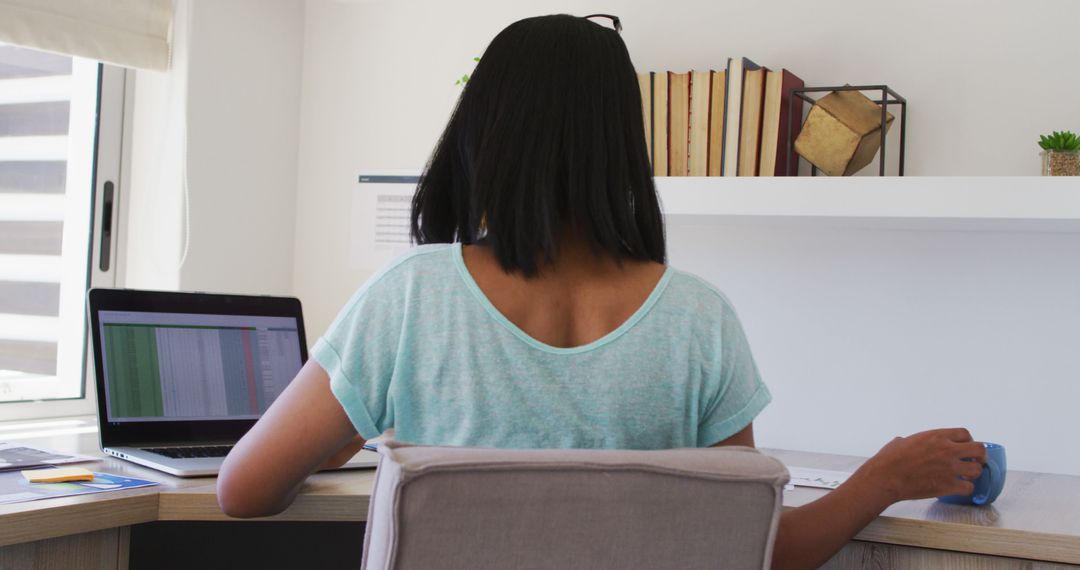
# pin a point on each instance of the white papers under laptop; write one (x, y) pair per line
(181, 376)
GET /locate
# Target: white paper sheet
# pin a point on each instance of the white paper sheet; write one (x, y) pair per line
(381, 209)
(18, 456)
(817, 478)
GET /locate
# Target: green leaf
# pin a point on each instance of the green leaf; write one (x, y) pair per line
(465, 78)
(1060, 140)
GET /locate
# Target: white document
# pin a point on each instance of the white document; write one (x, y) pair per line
(17, 456)
(381, 210)
(817, 478)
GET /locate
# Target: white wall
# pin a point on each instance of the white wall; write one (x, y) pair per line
(243, 91)
(244, 105)
(861, 334)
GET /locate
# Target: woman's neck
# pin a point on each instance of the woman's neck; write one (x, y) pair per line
(581, 296)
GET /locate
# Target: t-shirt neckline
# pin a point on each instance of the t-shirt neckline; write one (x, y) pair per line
(470, 283)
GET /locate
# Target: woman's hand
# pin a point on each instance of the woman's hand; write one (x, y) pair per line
(927, 464)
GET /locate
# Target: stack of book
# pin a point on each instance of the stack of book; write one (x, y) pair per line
(732, 122)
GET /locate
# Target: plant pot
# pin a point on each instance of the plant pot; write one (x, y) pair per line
(1061, 162)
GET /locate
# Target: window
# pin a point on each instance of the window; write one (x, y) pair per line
(60, 128)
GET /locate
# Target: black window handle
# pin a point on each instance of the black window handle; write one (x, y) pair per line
(106, 226)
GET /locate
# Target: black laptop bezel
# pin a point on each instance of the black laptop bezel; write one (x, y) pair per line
(177, 432)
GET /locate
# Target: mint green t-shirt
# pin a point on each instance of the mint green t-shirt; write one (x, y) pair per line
(419, 348)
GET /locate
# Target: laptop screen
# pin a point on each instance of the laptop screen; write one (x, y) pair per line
(160, 366)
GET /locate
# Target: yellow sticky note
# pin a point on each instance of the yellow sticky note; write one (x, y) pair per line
(58, 475)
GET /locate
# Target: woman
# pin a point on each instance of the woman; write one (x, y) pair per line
(541, 313)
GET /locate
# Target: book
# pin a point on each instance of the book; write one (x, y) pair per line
(733, 112)
(14, 487)
(698, 159)
(660, 123)
(716, 122)
(753, 94)
(678, 122)
(775, 118)
(645, 84)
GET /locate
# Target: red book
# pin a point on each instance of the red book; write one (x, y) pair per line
(774, 123)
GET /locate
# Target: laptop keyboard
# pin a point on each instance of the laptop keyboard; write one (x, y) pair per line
(191, 451)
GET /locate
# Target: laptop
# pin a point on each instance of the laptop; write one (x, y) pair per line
(182, 376)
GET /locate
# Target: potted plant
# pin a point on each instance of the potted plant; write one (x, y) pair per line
(1061, 154)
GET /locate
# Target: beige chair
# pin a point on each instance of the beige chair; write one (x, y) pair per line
(458, 508)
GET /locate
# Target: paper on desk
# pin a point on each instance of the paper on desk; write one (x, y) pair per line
(58, 475)
(818, 478)
(15, 456)
(14, 488)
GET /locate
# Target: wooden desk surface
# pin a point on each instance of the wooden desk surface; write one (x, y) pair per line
(1036, 517)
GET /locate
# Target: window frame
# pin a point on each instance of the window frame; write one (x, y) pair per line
(109, 152)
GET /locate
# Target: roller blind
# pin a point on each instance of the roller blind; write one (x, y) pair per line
(131, 33)
(46, 148)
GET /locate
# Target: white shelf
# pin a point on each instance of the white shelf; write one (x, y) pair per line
(1038, 204)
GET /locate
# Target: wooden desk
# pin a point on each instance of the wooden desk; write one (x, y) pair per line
(93, 531)
(1035, 524)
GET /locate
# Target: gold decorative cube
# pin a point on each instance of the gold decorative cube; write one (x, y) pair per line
(841, 133)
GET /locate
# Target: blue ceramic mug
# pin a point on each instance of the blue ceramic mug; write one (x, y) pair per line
(989, 485)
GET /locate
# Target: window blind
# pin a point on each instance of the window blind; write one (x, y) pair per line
(35, 97)
(130, 33)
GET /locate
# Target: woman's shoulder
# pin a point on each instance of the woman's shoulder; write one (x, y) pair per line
(700, 310)
(419, 260)
(695, 293)
(423, 263)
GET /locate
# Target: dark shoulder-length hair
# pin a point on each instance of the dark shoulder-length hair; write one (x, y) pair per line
(548, 135)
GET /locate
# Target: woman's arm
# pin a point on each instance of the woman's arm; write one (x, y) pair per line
(304, 430)
(927, 464)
